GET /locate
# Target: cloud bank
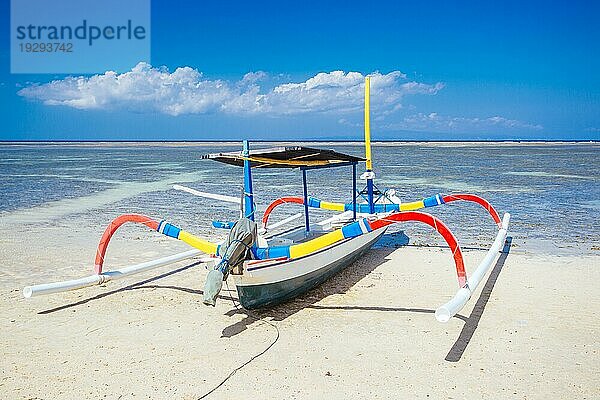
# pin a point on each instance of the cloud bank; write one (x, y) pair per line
(441, 123)
(339, 94)
(186, 91)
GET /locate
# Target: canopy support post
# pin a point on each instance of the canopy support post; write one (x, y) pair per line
(305, 188)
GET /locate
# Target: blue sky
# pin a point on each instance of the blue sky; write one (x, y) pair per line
(442, 70)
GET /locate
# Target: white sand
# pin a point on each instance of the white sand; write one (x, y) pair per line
(368, 333)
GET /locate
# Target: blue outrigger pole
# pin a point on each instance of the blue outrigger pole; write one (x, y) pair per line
(248, 193)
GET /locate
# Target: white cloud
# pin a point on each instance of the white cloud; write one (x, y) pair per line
(186, 91)
(434, 122)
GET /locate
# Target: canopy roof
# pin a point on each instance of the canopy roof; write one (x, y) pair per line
(285, 157)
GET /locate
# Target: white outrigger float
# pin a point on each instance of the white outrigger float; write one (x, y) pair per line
(271, 268)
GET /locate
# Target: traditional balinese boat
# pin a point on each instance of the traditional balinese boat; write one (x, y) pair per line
(277, 262)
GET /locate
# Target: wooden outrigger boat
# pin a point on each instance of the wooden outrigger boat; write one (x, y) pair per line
(270, 268)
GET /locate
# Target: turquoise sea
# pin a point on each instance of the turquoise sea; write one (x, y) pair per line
(552, 190)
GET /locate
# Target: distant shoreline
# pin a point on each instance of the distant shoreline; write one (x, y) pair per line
(182, 143)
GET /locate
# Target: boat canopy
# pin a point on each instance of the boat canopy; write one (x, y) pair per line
(286, 157)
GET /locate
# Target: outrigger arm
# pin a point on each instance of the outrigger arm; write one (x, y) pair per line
(200, 246)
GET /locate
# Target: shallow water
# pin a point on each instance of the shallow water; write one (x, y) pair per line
(551, 190)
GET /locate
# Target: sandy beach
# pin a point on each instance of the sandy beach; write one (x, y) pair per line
(529, 333)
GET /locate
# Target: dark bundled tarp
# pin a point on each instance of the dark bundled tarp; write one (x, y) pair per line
(238, 245)
(233, 252)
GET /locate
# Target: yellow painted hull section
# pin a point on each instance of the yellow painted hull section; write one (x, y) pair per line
(302, 249)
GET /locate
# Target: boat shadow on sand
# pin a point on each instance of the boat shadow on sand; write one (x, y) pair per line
(338, 284)
(351, 275)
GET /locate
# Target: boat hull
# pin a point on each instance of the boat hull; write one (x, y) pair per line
(267, 284)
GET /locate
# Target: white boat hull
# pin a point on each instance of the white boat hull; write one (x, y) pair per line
(266, 283)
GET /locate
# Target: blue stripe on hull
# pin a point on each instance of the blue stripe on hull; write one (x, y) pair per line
(257, 296)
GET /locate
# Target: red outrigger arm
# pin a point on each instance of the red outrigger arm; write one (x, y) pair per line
(436, 224)
(279, 201)
(200, 246)
(112, 228)
(475, 199)
(162, 227)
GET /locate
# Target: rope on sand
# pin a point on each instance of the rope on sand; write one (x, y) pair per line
(235, 370)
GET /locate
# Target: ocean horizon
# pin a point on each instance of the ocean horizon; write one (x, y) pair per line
(350, 140)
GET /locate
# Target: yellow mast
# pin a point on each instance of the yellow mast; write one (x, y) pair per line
(369, 175)
(368, 124)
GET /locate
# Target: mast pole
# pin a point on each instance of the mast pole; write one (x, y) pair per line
(248, 193)
(369, 164)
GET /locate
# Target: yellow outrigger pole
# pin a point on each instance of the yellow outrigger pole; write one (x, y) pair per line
(369, 174)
